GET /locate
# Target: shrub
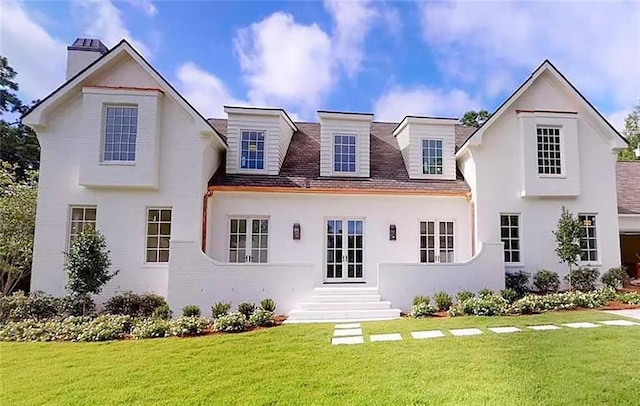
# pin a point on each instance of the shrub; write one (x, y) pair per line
(488, 305)
(464, 295)
(509, 295)
(518, 281)
(134, 305)
(73, 305)
(629, 298)
(261, 318)
(40, 306)
(186, 326)
(615, 278)
(104, 328)
(583, 279)
(231, 323)
(421, 310)
(485, 293)
(246, 308)
(443, 301)
(546, 281)
(561, 301)
(151, 328)
(419, 299)
(220, 309)
(191, 311)
(70, 329)
(268, 304)
(162, 312)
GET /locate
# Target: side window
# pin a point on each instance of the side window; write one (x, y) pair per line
(252, 150)
(120, 133)
(158, 235)
(432, 163)
(82, 217)
(588, 243)
(344, 153)
(510, 236)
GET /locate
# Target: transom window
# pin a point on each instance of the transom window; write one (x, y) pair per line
(436, 241)
(249, 240)
(549, 160)
(432, 157)
(588, 242)
(344, 153)
(121, 131)
(510, 236)
(82, 217)
(252, 150)
(158, 234)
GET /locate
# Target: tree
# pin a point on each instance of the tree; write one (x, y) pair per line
(632, 133)
(474, 118)
(88, 264)
(18, 200)
(19, 142)
(568, 234)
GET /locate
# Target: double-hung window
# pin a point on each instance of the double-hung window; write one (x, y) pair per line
(588, 241)
(252, 150)
(82, 217)
(344, 153)
(249, 240)
(432, 163)
(549, 154)
(120, 133)
(510, 236)
(158, 234)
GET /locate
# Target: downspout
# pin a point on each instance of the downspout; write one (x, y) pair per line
(205, 205)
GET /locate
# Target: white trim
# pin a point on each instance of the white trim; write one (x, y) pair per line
(70, 208)
(563, 168)
(265, 165)
(333, 155)
(442, 157)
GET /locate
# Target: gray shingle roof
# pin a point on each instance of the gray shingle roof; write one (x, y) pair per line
(628, 182)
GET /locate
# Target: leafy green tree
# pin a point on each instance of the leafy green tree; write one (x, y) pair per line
(568, 234)
(632, 133)
(18, 199)
(19, 142)
(88, 264)
(474, 118)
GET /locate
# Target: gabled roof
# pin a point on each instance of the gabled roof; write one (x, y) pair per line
(122, 46)
(628, 185)
(545, 66)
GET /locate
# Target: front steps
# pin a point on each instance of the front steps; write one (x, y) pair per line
(335, 304)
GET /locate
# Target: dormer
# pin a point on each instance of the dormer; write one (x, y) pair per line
(258, 139)
(428, 147)
(345, 144)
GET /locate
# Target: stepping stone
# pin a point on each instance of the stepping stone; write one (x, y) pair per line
(544, 327)
(347, 332)
(503, 330)
(619, 323)
(419, 335)
(459, 332)
(348, 325)
(347, 340)
(581, 325)
(386, 337)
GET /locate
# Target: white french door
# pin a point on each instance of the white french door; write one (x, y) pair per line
(436, 241)
(248, 240)
(344, 250)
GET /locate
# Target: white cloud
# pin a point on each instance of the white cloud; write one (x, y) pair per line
(206, 92)
(146, 6)
(398, 102)
(617, 118)
(596, 44)
(103, 20)
(39, 58)
(285, 63)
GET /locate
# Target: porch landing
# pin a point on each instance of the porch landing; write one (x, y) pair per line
(343, 303)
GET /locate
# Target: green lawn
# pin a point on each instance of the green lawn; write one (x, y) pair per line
(294, 364)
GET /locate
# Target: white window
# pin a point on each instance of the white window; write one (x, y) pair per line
(252, 150)
(158, 234)
(432, 163)
(549, 156)
(82, 217)
(248, 240)
(588, 242)
(120, 133)
(344, 153)
(510, 236)
(436, 241)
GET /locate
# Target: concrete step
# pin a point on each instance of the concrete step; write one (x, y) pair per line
(302, 316)
(345, 298)
(345, 290)
(345, 305)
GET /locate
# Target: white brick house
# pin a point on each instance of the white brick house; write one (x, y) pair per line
(346, 217)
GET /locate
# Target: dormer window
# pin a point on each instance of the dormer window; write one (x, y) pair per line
(120, 133)
(344, 153)
(549, 158)
(252, 150)
(432, 163)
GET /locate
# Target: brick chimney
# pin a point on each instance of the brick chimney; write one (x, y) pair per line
(82, 53)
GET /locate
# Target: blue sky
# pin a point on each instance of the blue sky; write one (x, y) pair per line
(389, 58)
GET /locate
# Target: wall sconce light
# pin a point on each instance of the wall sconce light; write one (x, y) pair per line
(296, 231)
(392, 232)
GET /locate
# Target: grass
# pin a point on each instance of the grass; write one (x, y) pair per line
(294, 364)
